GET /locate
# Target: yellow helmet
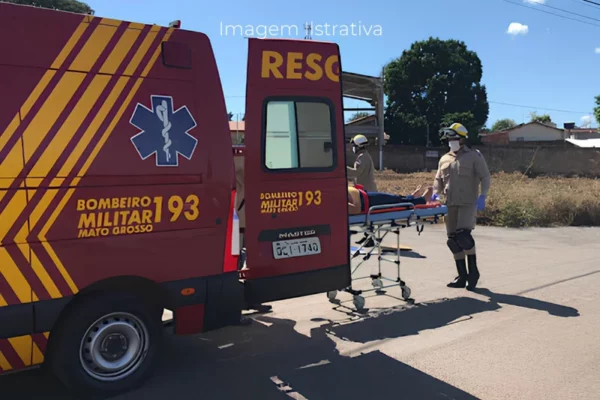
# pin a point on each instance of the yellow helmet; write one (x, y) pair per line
(359, 140)
(454, 131)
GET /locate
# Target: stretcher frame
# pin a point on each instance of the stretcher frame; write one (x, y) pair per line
(376, 224)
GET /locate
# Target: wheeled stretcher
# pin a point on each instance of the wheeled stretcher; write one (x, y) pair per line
(376, 223)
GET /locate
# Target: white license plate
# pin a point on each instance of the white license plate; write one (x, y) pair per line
(296, 248)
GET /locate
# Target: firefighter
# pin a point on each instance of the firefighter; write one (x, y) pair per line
(363, 172)
(460, 173)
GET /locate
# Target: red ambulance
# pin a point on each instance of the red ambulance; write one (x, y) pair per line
(117, 189)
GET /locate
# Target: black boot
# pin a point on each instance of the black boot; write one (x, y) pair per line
(361, 241)
(473, 272)
(461, 280)
(367, 240)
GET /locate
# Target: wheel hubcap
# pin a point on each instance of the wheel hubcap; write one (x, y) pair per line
(114, 347)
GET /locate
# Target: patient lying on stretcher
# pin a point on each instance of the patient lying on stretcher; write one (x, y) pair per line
(358, 197)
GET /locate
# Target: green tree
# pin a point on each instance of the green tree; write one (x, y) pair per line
(544, 118)
(597, 110)
(432, 79)
(63, 5)
(357, 115)
(503, 124)
(230, 116)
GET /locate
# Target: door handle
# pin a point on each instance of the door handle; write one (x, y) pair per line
(327, 146)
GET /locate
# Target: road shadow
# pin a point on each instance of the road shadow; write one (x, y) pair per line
(389, 252)
(267, 360)
(408, 320)
(527, 302)
(403, 253)
(407, 254)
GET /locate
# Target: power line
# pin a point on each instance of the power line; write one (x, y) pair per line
(585, 4)
(539, 108)
(551, 13)
(570, 12)
(514, 105)
(593, 2)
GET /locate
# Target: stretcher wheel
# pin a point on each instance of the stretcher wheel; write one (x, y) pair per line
(332, 295)
(405, 292)
(377, 283)
(359, 302)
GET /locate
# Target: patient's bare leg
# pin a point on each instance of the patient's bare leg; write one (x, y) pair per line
(417, 191)
(428, 193)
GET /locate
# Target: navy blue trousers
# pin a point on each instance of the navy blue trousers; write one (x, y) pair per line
(379, 199)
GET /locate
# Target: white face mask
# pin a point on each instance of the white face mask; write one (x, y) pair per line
(454, 145)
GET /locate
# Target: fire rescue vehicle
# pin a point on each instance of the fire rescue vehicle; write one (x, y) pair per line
(117, 189)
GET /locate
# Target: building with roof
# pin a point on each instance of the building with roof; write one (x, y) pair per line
(584, 133)
(237, 130)
(370, 90)
(584, 143)
(537, 132)
(526, 132)
(368, 126)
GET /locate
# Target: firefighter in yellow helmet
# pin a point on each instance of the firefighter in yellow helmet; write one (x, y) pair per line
(461, 172)
(363, 172)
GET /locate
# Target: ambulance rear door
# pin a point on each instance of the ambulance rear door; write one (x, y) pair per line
(296, 233)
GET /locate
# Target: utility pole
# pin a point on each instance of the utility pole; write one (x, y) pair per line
(307, 31)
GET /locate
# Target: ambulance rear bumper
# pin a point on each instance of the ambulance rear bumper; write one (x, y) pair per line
(282, 287)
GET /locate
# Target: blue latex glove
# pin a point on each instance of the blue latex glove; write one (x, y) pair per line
(481, 203)
(435, 197)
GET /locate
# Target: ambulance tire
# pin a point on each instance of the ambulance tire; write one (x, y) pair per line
(83, 320)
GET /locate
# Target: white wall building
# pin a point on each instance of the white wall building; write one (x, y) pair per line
(529, 132)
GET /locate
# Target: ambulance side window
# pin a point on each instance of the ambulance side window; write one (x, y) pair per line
(299, 135)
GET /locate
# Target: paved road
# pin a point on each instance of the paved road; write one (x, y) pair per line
(530, 332)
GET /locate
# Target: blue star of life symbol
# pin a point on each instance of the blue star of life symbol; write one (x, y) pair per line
(164, 132)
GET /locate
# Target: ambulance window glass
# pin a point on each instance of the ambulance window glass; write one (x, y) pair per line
(298, 135)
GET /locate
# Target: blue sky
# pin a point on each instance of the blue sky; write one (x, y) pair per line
(547, 62)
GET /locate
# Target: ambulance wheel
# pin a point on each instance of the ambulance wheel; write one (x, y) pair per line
(107, 344)
(332, 295)
(359, 302)
(405, 292)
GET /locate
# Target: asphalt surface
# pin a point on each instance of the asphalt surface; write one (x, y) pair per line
(530, 332)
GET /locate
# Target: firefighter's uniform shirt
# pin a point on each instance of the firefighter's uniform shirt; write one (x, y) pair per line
(363, 172)
(459, 177)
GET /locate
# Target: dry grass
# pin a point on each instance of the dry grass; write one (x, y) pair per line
(518, 201)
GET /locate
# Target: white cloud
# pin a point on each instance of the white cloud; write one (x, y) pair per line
(535, 1)
(516, 28)
(597, 50)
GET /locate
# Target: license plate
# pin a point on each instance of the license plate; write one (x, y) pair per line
(296, 248)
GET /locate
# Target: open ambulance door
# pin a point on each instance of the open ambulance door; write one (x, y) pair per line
(296, 235)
